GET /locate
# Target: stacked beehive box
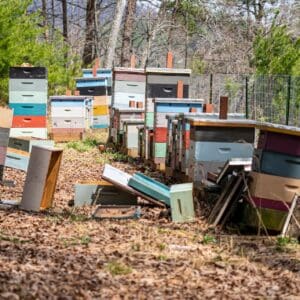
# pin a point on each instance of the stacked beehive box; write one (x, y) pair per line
(28, 89)
(276, 174)
(102, 73)
(213, 142)
(162, 83)
(5, 125)
(183, 133)
(120, 114)
(70, 116)
(19, 149)
(129, 86)
(131, 136)
(96, 87)
(162, 108)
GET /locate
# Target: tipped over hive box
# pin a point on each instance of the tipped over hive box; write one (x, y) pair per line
(42, 174)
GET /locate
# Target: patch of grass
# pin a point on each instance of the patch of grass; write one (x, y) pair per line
(118, 268)
(161, 246)
(208, 239)
(56, 219)
(75, 241)
(136, 247)
(283, 244)
(91, 142)
(162, 257)
(12, 239)
(78, 218)
(162, 230)
(103, 159)
(82, 146)
(119, 157)
(85, 240)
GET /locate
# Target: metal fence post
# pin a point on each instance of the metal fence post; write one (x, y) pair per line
(210, 88)
(246, 98)
(288, 100)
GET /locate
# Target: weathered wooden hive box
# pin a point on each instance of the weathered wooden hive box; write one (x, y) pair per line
(162, 108)
(19, 149)
(96, 87)
(5, 125)
(183, 133)
(213, 142)
(162, 83)
(131, 136)
(28, 93)
(120, 114)
(103, 73)
(276, 175)
(70, 116)
(129, 87)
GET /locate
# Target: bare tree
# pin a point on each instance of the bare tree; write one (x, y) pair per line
(121, 4)
(88, 50)
(44, 15)
(65, 19)
(127, 33)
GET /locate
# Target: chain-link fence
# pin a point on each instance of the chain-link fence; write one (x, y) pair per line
(273, 99)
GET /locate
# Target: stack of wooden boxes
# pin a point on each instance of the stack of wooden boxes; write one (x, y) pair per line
(102, 103)
(129, 86)
(162, 108)
(276, 175)
(97, 88)
(162, 83)
(102, 73)
(117, 125)
(182, 137)
(19, 149)
(131, 136)
(5, 125)
(70, 116)
(28, 90)
(213, 142)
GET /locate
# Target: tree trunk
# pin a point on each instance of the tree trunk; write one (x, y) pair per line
(44, 15)
(171, 28)
(53, 18)
(127, 34)
(65, 20)
(121, 4)
(152, 34)
(88, 51)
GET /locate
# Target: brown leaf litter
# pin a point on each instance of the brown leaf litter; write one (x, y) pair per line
(62, 254)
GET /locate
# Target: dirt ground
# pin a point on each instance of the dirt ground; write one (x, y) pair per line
(63, 254)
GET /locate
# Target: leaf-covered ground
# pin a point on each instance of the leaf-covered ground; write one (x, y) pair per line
(63, 254)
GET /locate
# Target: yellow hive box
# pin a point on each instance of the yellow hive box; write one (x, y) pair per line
(100, 110)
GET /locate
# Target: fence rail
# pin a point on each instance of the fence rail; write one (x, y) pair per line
(267, 98)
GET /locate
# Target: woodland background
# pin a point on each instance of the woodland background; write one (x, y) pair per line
(208, 36)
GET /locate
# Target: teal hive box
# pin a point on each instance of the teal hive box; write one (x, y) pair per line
(150, 187)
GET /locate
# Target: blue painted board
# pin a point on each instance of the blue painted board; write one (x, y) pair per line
(91, 83)
(280, 164)
(215, 151)
(29, 109)
(62, 103)
(102, 126)
(16, 161)
(150, 187)
(179, 108)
